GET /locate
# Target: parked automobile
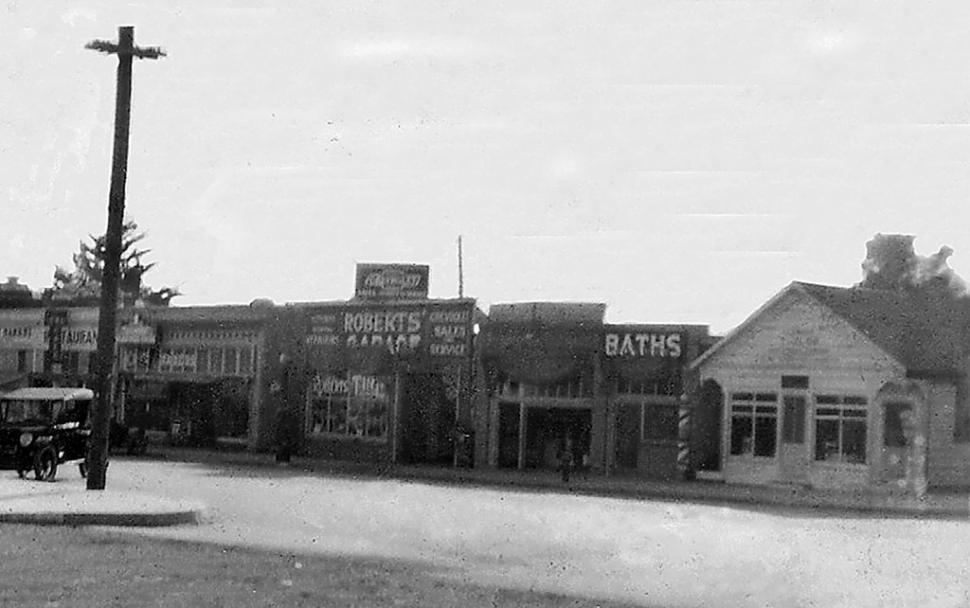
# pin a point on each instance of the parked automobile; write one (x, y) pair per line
(43, 428)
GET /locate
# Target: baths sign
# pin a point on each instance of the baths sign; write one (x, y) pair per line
(654, 344)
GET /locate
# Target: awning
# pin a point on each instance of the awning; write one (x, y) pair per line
(537, 354)
(541, 342)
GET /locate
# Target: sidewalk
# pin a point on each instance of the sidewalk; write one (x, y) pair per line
(68, 502)
(941, 504)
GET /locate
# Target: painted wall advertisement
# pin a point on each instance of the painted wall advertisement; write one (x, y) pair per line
(392, 281)
(439, 331)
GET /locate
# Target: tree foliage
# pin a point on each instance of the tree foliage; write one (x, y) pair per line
(83, 282)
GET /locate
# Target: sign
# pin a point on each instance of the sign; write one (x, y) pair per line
(357, 385)
(392, 281)
(136, 333)
(448, 332)
(440, 331)
(643, 344)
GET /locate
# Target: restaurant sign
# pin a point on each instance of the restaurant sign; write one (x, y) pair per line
(392, 281)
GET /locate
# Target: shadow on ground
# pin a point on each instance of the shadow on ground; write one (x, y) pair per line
(97, 567)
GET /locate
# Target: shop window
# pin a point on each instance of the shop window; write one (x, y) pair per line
(754, 424)
(246, 361)
(230, 365)
(203, 367)
(841, 428)
(22, 360)
(178, 360)
(215, 361)
(351, 407)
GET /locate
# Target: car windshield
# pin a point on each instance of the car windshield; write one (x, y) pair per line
(25, 410)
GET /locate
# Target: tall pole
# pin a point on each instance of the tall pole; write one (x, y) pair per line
(461, 272)
(101, 422)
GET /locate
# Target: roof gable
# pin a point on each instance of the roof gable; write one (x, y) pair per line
(926, 332)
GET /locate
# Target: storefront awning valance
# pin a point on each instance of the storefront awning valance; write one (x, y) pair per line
(538, 354)
(541, 342)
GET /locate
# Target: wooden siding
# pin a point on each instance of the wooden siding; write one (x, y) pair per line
(798, 336)
(799, 333)
(948, 462)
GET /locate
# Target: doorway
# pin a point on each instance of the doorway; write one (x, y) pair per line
(794, 452)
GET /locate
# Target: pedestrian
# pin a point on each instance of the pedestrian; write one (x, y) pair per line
(565, 457)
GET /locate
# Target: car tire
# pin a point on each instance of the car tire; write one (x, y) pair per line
(45, 465)
(22, 473)
(82, 468)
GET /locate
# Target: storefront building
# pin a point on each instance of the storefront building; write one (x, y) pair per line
(195, 373)
(384, 377)
(834, 387)
(556, 375)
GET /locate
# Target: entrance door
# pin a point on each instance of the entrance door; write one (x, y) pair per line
(794, 452)
(508, 435)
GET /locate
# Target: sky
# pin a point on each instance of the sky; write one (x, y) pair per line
(681, 161)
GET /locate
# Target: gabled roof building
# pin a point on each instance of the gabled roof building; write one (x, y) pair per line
(839, 387)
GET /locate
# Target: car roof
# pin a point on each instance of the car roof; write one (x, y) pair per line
(50, 394)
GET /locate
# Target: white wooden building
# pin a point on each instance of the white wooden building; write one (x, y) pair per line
(835, 387)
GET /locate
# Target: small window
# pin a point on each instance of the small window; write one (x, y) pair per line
(794, 382)
(22, 360)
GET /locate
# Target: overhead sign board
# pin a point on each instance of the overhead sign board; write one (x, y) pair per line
(442, 330)
(392, 281)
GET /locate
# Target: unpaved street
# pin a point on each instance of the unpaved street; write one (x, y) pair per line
(648, 552)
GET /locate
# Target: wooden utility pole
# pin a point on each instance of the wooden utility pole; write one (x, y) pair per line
(126, 51)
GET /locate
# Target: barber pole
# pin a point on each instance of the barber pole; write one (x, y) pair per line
(683, 440)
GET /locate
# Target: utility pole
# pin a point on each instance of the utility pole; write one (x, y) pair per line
(126, 51)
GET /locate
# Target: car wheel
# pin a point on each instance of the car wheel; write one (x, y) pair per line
(45, 465)
(22, 473)
(82, 468)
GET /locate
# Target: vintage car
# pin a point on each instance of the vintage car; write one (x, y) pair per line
(42, 428)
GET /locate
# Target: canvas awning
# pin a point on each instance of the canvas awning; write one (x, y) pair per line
(541, 342)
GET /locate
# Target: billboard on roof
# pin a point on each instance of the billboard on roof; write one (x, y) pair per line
(392, 281)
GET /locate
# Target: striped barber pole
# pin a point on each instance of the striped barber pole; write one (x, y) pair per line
(683, 441)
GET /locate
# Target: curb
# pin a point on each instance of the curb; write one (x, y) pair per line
(148, 519)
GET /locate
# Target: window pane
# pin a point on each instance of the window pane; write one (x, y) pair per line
(215, 361)
(742, 396)
(826, 399)
(338, 415)
(765, 441)
(766, 397)
(203, 360)
(855, 400)
(742, 436)
(245, 361)
(854, 441)
(827, 440)
(794, 382)
(230, 368)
